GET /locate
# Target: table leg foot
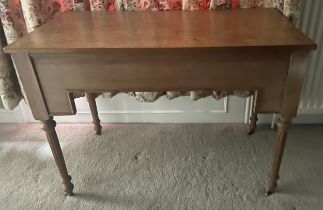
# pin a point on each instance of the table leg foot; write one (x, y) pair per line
(68, 187)
(282, 125)
(268, 193)
(94, 112)
(49, 127)
(253, 123)
(272, 186)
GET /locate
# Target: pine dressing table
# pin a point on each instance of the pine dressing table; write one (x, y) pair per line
(244, 49)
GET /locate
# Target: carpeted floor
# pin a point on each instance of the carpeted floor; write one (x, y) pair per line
(160, 166)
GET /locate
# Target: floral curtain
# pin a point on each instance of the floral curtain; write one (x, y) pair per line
(19, 17)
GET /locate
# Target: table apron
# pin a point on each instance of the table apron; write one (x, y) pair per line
(60, 74)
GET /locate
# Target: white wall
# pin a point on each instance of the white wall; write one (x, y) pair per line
(124, 109)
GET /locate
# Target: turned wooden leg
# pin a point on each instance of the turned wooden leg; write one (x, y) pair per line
(49, 127)
(253, 118)
(282, 125)
(94, 112)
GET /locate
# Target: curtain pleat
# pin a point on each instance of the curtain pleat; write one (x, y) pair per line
(9, 89)
(19, 17)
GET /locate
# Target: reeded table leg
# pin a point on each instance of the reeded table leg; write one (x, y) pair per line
(253, 117)
(49, 127)
(283, 125)
(94, 112)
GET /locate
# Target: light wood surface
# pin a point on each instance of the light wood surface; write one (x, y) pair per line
(97, 31)
(94, 112)
(252, 49)
(31, 86)
(162, 70)
(290, 101)
(254, 111)
(49, 127)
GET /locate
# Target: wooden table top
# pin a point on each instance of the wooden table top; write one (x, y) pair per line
(99, 31)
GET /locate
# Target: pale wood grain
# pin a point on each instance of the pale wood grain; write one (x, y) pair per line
(178, 70)
(31, 86)
(97, 31)
(49, 127)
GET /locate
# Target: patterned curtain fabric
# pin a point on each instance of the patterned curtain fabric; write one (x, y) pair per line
(19, 17)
